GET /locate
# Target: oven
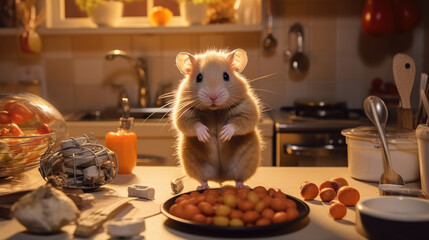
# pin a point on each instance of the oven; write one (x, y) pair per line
(309, 133)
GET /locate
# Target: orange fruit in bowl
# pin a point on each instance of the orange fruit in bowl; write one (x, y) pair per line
(160, 16)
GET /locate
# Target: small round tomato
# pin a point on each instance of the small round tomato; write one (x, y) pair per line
(43, 129)
(18, 112)
(4, 117)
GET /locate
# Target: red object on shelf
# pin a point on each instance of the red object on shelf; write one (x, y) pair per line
(377, 17)
(406, 15)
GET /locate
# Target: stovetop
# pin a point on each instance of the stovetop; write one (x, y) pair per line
(286, 121)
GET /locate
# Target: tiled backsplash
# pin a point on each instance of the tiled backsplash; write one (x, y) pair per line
(343, 60)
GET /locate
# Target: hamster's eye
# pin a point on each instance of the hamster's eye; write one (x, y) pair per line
(225, 76)
(199, 77)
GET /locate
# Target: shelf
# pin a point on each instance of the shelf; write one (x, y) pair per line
(142, 29)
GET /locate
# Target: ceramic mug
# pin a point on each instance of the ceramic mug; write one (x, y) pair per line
(422, 133)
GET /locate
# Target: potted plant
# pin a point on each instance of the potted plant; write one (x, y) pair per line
(194, 12)
(103, 12)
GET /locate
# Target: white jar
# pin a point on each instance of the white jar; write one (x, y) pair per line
(107, 13)
(365, 156)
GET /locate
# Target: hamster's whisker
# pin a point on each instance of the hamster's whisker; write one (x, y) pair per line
(264, 90)
(260, 78)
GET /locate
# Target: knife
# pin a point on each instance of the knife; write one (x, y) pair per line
(404, 71)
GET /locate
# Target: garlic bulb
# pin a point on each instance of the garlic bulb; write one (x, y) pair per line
(45, 210)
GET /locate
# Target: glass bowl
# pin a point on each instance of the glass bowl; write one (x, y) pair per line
(29, 128)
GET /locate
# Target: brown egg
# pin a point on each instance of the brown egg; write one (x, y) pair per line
(271, 192)
(189, 211)
(206, 208)
(262, 222)
(177, 210)
(194, 194)
(292, 213)
(182, 197)
(261, 191)
(231, 191)
(338, 210)
(309, 190)
(278, 204)
(267, 200)
(328, 184)
(341, 182)
(246, 205)
(235, 213)
(250, 216)
(242, 192)
(280, 217)
(268, 213)
(199, 218)
(279, 194)
(327, 194)
(290, 203)
(349, 196)
(210, 199)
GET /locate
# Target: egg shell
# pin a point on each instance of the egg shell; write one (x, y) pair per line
(250, 216)
(279, 204)
(280, 217)
(349, 196)
(309, 190)
(327, 194)
(338, 210)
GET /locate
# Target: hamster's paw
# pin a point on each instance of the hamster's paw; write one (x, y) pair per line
(202, 132)
(227, 132)
(204, 186)
(241, 185)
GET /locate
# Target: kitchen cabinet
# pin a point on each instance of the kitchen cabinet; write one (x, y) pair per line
(156, 140)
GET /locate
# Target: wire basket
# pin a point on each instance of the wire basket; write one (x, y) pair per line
(22, 153)
(80, 163)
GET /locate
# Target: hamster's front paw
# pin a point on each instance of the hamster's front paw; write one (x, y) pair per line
(202, 132)
(227, 132)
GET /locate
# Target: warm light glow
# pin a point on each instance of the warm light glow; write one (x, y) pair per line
(368, 16)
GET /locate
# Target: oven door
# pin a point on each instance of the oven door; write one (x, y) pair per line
(315, 148)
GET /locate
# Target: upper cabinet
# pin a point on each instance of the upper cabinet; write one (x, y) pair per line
(148, 16)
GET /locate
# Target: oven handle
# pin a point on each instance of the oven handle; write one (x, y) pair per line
(322, 150)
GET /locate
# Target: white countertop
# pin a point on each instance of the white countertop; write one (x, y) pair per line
(318, 224)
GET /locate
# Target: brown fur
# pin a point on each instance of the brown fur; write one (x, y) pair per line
(217, 159)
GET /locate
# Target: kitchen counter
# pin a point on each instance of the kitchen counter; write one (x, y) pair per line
(318, 224)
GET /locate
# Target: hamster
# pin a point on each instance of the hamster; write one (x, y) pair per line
(216, 115)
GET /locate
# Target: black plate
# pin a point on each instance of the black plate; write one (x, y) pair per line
(302, 208)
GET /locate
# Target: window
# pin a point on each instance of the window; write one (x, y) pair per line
(66, 14)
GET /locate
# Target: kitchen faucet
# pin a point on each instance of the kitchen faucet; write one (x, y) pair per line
(139, 65)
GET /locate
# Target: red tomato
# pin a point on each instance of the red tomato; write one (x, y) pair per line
(406, 15)
(4, 132)
(377, 17)
(18, 112)
(15, 130)
(43, 129)
(4, 117)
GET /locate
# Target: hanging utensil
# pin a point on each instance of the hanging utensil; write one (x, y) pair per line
(298, 61)
(404, 70)
(270, 43)
(420, 114)
(424, 99)
(376, 111)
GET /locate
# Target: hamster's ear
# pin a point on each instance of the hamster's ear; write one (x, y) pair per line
(185, 62)
(237, 59)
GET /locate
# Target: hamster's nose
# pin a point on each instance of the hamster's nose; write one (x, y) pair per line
(213, 96)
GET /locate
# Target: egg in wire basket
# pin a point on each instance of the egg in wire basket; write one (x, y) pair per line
(22, 153)
(80, 163)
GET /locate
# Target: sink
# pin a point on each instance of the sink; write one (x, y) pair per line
(112, 114)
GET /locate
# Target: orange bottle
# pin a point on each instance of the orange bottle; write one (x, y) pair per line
(123, 142)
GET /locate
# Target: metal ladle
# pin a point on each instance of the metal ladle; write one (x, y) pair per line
(376, 111)
(298, 60)
(270, 42)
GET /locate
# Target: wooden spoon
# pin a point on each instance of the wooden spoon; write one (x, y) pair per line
(404, 71)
